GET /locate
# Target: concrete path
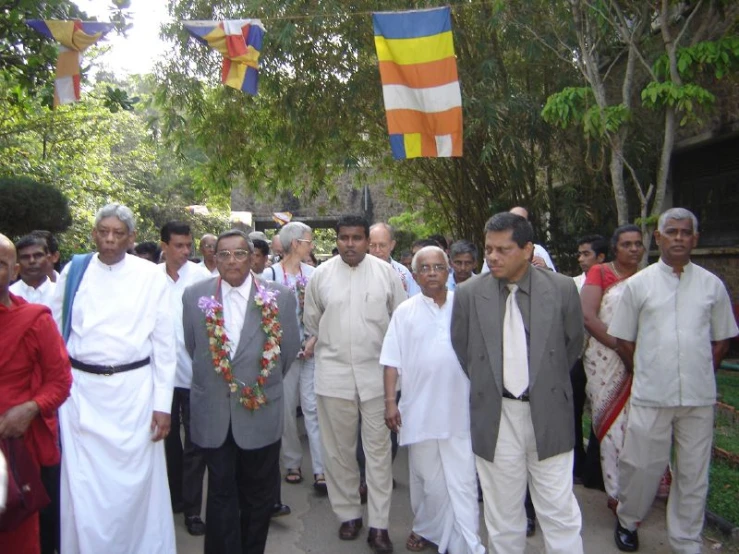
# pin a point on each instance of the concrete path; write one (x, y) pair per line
(312, 526)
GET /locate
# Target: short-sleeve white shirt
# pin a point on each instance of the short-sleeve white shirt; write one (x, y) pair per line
(673, 321)
(434, 404)
(44, 294)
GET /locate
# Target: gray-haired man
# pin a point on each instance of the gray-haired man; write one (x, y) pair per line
(121, 345)
(673, 326)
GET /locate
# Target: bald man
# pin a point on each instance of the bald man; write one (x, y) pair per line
(208, 251)
(35, 380)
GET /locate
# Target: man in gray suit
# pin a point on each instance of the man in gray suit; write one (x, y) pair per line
(517, 331)
(238, 424)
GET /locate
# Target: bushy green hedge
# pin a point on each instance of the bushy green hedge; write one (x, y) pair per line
(26, 205)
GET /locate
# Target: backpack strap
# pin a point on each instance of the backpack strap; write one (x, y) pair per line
(77, 268)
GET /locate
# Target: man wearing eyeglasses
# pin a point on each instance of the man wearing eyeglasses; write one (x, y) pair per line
(382, 244)
(208, 251)
(239, 439)
(433, 416)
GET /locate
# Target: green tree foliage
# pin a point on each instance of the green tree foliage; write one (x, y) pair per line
(664, 54)
(319, 112)
(27, 205)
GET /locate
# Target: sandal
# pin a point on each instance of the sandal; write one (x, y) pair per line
(319, 483)
(294, 476)
(417, 543)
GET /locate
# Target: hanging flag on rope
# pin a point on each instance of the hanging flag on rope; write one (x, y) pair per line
(420, 84)
(74, 37)
(282, 218)
(240, 43)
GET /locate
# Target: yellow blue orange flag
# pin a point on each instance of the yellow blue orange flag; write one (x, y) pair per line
(420, 84)
(74, 37)
(240, 43)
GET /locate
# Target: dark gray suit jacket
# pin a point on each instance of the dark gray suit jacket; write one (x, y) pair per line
(212, 406)
(556, 336)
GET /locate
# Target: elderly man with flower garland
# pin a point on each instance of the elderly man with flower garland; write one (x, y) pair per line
(242, 335)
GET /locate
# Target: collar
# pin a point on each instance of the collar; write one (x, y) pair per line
(244, 288)
(524, 283)
(115, 267)
(430, 301)
(41, 288)
(668, 268)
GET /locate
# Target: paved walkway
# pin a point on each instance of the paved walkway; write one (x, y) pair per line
(312, 526)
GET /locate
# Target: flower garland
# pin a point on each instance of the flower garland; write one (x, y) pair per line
(301, 282)
(252, 396)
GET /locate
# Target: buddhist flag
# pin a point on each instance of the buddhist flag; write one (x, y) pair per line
(240, 43)
(420, 84)
(282, 218)
(74, 37)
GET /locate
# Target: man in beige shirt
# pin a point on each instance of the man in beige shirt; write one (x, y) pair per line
(348, 305)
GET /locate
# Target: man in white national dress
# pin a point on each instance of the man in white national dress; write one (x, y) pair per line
(433, 417)
(115, 316)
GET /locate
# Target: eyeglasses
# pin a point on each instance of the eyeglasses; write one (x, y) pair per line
(438, 268)
(208, 246)
(239, 255)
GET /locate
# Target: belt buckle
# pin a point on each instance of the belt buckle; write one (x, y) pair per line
(111, 371)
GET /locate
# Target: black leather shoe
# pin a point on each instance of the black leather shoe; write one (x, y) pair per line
(279, 510)
(626, 541)
(349, 530)
(530, 526)
(379, 541)
(195, 525)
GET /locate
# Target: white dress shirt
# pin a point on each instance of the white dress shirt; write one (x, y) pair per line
(214, 273)
(235, 300)
(673, 321)
(189, 274)
(44, 294)
(435, 391)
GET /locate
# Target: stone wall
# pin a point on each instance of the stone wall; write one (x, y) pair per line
(724, 262)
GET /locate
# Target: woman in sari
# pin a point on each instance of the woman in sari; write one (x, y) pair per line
(609, 383)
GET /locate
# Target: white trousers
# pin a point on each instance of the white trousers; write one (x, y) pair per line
(444, 494)
(299, 383)
(338, 419)
(650, 434)
(504, 489)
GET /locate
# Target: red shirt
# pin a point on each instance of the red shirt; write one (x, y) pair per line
(34, 365)
(602, 276)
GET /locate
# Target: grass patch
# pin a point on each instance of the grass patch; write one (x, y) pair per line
(726, 432)
(727, 383)
(723, 491)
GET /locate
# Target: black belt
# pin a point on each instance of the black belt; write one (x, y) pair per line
(108, 369)
(523, 398)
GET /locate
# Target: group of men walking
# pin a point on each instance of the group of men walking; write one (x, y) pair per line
(484, 374)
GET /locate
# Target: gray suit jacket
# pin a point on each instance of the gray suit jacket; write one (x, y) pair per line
(556, 336)
(212, 406)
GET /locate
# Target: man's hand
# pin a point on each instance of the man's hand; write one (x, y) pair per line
(160, 423)
(538, 261)
(15, 421)
(392, 416)
(310, 346)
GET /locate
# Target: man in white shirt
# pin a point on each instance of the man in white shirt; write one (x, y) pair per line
(208, 251)
(34, 264)
(121, 345)
(433, 415)
(673, 326)
(185, 463)
(463, 255)
(348, 304)
(591, 250)
(381, 245)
